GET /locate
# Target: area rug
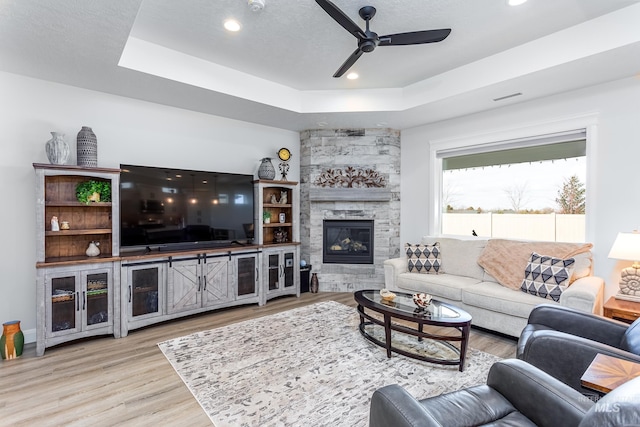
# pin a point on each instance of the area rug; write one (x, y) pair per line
(307, 366)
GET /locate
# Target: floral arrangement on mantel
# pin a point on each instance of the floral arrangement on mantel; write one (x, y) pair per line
(351, 178)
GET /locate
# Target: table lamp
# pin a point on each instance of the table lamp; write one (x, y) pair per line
(627, 247)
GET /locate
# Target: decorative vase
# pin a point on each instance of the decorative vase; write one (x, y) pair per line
(12, 340)
(57, 149)
(314, 283)
(87, 148)
(93, 249)
(266, 169)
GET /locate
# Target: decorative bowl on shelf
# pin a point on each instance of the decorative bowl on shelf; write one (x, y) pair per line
(387, 295)
(421, 300)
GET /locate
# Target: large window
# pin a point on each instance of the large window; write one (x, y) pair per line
(531, 188)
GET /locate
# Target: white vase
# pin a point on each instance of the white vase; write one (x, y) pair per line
(93, 250)
(57, 149)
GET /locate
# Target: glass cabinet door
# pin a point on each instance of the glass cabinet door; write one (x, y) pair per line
(65, 304)
(288, 270)
(247, 275)
(273, 272)
(144, 291)
(97, 298)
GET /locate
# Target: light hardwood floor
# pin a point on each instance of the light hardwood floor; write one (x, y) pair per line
(125, 382)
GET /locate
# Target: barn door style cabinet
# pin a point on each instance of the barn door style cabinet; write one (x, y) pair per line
(75, 292)
(279, 236)
(196, 282)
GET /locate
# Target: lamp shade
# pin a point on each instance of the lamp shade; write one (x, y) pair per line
(626, 246)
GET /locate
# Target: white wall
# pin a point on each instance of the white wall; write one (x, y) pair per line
(614, 164)
(128, 131)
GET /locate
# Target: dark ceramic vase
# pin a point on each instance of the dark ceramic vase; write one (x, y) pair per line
(315, 285)
(87, 148)
(266, 169)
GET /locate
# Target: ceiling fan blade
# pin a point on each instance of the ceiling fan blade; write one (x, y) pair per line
(415, 37)
(341, 18)
(348, 63)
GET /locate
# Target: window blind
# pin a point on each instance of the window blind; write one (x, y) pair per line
(540, 148)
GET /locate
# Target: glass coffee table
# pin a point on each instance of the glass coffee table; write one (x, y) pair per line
(398, 326)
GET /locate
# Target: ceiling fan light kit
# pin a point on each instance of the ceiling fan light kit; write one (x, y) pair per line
(368, 40)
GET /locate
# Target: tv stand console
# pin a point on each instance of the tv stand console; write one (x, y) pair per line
(159, 287)
(80, 296)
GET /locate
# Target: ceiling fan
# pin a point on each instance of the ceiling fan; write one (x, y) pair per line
(368, 40)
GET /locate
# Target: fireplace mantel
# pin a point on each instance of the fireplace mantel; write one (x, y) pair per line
(349, 194)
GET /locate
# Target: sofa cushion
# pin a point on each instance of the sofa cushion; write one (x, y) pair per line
(424, 259)
(582, 267)
(459, 256)
(546, 276)
(495, 297)
(443, 285)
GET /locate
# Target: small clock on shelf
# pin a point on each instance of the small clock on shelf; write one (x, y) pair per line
(284, 154)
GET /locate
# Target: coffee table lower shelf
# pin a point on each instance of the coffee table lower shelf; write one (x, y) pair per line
(385, 340)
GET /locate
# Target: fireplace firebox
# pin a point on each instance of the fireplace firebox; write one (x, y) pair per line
(347, 241)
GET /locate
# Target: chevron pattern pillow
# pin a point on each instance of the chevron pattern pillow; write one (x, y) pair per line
(424, 259)
(546, 276)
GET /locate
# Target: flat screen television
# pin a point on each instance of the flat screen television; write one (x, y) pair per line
(172, 209)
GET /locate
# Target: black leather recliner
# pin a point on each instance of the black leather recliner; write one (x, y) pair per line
(516, 394)
(563, 342)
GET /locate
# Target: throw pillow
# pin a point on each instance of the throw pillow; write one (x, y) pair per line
(547, 276)
(424, 259)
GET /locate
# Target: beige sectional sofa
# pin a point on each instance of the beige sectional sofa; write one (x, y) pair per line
(463, 282)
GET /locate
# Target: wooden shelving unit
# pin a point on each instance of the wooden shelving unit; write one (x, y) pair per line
(75, 292)
(268, 191)
(56, 189)
(280, 257)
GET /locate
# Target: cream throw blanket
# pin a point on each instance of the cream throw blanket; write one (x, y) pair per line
(506, 259)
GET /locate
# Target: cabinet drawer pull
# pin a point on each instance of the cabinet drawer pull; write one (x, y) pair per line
(77, 301)
(199, 283)
(257, 274)
(84, 300)
(129, 293)
(205, 283)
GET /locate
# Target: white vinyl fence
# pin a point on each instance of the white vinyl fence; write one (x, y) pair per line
(547, 227)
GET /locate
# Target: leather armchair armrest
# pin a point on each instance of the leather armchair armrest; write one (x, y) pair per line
(393, 406)
(537, 395)
(567, 357)
(579, 323)
(392, 268)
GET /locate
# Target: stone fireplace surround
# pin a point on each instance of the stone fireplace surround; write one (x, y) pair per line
(366, 149)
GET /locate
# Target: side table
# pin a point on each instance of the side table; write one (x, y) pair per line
(606, 373)
(625, 311)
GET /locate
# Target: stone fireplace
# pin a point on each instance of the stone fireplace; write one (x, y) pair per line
(349, 177)
(347, 241)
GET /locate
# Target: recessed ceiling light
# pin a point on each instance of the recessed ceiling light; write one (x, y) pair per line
(352, 76)
(232, 25)
(516, 2)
